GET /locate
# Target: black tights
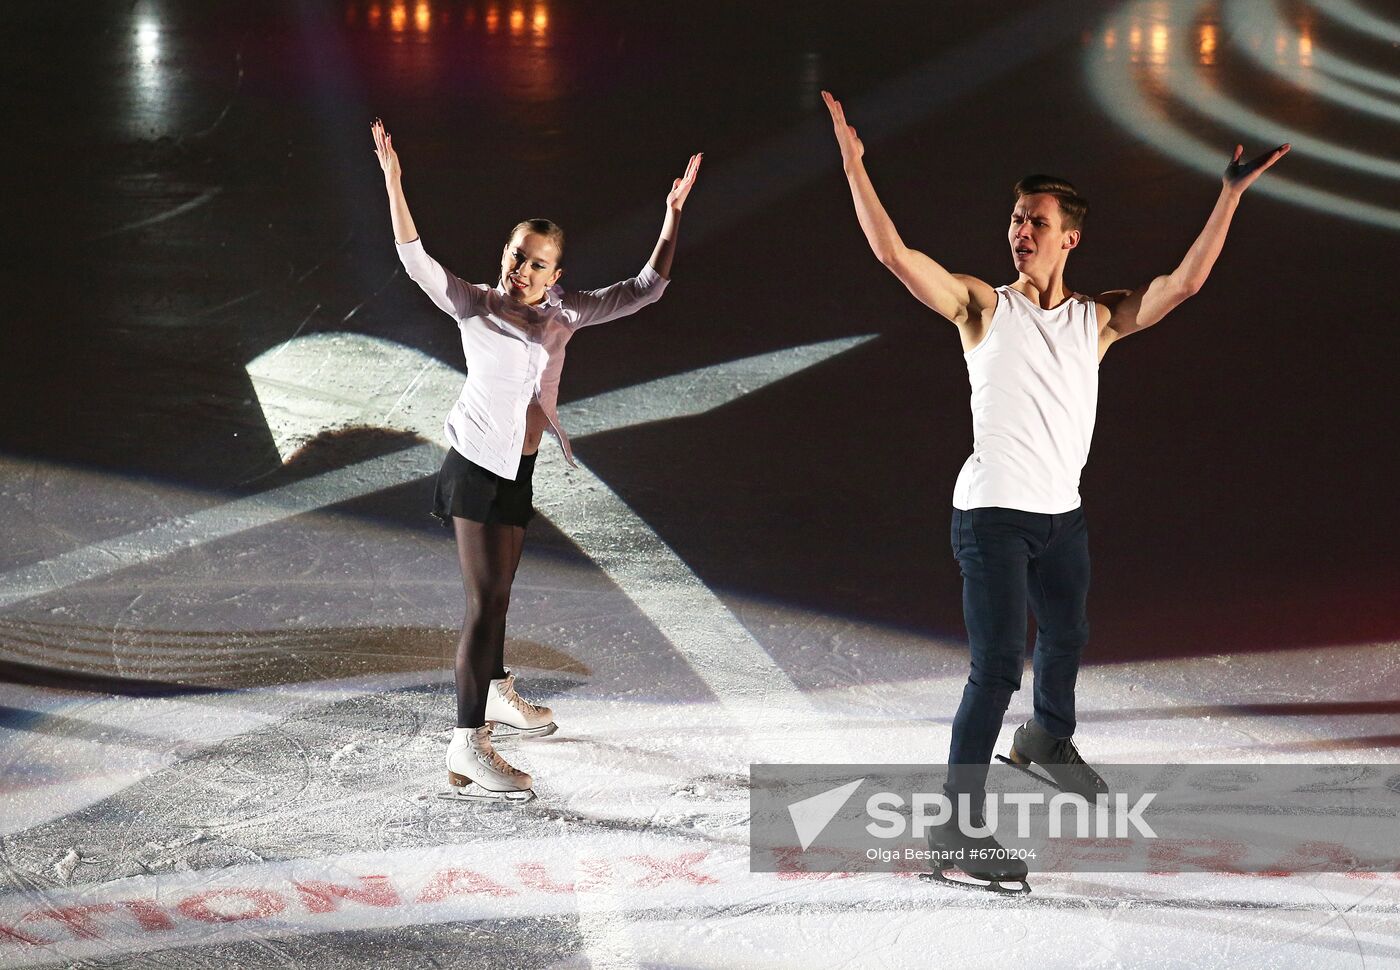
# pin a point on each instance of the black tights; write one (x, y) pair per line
(489, 555)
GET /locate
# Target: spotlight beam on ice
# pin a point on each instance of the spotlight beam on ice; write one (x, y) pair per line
(362, 478)
(1353, 15)
(1114, 86)
(1241, 17)
(310, 385)
(326, 382)
(1340, 67)
(1203, 97)
(320, 383)
(1249, 22)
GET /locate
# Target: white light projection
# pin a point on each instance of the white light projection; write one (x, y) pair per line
(326, 382)
(294, 409)
(1356, 17)
(1171, 65)
(149, 75)
(147, 43)
(605, 875)
(1251, 25)
(1340, 67)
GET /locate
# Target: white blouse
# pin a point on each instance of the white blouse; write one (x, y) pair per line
(515, 352)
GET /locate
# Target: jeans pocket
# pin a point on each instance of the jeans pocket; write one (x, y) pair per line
(955, 537)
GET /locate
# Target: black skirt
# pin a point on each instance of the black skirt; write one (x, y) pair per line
(468, 491)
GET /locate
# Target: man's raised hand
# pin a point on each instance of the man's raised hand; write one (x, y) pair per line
(1241, 175)
(851, 148)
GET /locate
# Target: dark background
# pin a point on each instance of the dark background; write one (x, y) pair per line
(190, 184)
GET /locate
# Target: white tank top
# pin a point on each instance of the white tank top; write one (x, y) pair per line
(1035, 385)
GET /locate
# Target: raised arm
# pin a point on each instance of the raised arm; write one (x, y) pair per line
(1133, 310)
(404, 230)
(675, 201)
(960, 298)
(450, 294)
(629, 296)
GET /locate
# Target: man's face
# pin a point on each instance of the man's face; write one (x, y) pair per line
(529, 266)
(1038, 240)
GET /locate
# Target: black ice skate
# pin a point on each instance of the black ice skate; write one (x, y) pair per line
(1059, 757)
(987, 864)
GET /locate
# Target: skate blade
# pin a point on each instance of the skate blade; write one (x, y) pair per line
(1046, 779)
(971, 884)
(1043, 779)
(506, 732)
(476, 793)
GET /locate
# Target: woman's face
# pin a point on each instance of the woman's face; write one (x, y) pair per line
(529, 266)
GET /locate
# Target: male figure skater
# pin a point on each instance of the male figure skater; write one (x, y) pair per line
(1033, 349)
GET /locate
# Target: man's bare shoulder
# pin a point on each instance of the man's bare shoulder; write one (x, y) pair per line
(1111, 298)
(981, 295)
(1107, 303)
(981, 307)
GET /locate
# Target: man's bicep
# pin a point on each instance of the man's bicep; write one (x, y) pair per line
(1124, 308)
(1137, 309)
(981, 296)
(932, 285)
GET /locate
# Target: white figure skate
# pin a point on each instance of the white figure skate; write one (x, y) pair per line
(514, 716)
(477, 773)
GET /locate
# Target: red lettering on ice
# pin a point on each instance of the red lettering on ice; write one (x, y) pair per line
(8, 933)
(262, 902)
(1170, 856)
(681, 867)
(457, 882)
(149, 914)
(324, 897)
(76, 918)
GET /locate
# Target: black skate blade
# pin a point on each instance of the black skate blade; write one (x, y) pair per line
(1043, 779)
(475, 793)
(972, 884)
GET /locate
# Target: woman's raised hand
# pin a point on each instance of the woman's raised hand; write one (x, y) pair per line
(851, 147)
(680, 188)
(384, 150)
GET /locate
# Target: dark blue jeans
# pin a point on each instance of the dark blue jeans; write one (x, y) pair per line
(1011, 559)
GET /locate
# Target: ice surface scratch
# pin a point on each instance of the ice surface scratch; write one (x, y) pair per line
(358, 306)
(237, 87)
(179, 210)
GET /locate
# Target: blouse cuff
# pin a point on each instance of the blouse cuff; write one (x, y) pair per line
(649, 278)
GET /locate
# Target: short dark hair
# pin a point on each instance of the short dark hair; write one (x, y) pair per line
(549, 230)
(1073, 206)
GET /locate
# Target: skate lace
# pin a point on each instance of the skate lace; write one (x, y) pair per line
(509, 695)
(486, 754)
(1067, 755)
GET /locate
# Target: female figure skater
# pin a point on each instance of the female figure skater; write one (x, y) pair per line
(513, 336)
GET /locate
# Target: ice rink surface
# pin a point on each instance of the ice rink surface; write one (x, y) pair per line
(226, 620)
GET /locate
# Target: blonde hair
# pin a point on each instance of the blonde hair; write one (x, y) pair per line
(543, 227)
